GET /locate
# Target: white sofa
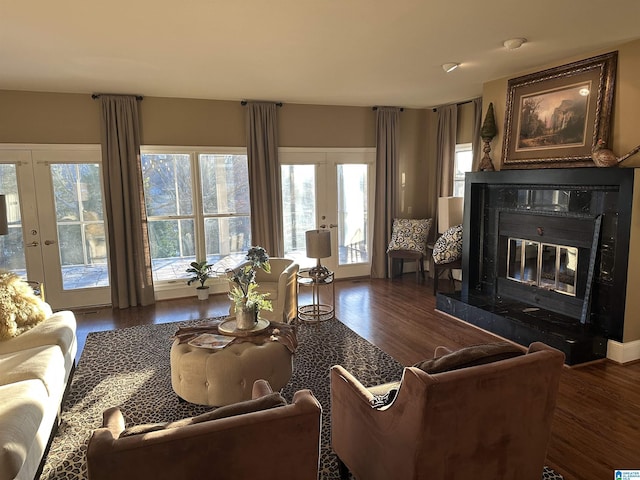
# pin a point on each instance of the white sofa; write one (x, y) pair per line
(35, 368)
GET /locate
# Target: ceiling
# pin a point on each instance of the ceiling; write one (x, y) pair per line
(333, 52)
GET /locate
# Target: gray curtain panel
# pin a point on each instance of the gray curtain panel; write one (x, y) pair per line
(129, 257)
(264, 177)
(386, 194)
(476, 143)
(446, 149)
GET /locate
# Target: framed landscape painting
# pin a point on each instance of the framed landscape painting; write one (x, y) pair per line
(554, 118)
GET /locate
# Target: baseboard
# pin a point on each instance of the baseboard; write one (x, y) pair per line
(623, 352)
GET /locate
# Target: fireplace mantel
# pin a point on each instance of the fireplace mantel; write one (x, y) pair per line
(587, 210)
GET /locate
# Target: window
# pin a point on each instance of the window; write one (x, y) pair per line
(197, 207)
(463, 163)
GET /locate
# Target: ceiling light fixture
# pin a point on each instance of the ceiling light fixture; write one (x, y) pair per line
(450, 67)
(514, 43)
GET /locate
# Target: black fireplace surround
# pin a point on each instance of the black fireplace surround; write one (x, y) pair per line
(545, 257)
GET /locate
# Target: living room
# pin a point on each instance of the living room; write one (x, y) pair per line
(38, 117)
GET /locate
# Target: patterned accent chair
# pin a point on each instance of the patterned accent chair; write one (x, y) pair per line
(471, 420)
(408, 243)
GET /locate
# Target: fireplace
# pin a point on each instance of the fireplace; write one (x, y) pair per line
(545, 257)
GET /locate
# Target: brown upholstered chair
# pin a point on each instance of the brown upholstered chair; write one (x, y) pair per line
(485, 422)
(231, 448)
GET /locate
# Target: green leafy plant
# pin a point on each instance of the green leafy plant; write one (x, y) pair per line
(243, 291)
(200, 272)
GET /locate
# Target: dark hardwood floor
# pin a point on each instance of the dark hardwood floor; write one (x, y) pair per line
(597, 422)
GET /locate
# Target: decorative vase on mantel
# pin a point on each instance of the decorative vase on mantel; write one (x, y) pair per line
(246, 318)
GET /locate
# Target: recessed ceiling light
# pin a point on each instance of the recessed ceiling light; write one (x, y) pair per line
(514, 43)
(450, 67)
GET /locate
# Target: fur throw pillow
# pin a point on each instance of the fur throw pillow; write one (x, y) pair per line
(20, 308)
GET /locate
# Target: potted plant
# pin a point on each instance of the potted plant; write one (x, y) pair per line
(200, 272)
(247, 301)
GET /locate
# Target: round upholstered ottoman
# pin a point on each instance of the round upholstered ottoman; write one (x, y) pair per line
(222, 377)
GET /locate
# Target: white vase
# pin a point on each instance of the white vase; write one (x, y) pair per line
(246, 318)
(203, 293)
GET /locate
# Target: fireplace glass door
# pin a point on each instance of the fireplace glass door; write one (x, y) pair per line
(548, 266)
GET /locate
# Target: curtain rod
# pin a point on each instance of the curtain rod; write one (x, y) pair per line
(244, 102)
(376, 108)
(98, 95)
(457, 104)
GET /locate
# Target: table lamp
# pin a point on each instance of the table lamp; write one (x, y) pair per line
(318, 244)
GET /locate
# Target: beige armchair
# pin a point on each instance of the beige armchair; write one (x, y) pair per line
(486, 422)
(280, 284)
(228, 448)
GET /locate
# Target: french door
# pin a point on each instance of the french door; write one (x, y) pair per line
(57, 231)
(329, 189)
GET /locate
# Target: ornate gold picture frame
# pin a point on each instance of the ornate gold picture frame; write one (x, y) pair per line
(555, 117)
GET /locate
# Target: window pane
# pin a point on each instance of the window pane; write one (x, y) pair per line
(167, 184)
(298, 206)
(171, 238)
(172, 246)
(225, 184)
(352, 213)
(463, 163)
(226, 236)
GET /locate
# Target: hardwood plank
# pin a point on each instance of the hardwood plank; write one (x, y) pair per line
(595, 428)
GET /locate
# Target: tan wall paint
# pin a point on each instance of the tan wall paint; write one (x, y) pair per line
(33, 117)
(625, 136)
(180, 121)
(632, 304)
(326, 126)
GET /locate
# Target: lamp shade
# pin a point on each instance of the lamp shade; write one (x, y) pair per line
(449, 212)
(318, 243)
(4, 226)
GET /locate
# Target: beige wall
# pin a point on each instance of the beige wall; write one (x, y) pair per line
(31, 117)
(625, 136)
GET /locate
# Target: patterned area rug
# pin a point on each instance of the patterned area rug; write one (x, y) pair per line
(130, 368)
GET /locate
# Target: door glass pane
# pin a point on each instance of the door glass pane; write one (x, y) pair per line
(298, 209)
(12, 245)
(77, 191)
(352, 213)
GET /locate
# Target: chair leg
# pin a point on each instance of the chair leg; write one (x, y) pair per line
(343, 470)
(435, 279)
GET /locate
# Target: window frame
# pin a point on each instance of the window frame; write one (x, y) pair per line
(219, 282)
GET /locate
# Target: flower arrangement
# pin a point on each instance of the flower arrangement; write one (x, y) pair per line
(243, 292)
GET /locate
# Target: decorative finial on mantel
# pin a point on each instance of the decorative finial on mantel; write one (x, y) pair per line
(487, 132)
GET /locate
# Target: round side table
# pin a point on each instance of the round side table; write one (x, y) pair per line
(323, 295)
